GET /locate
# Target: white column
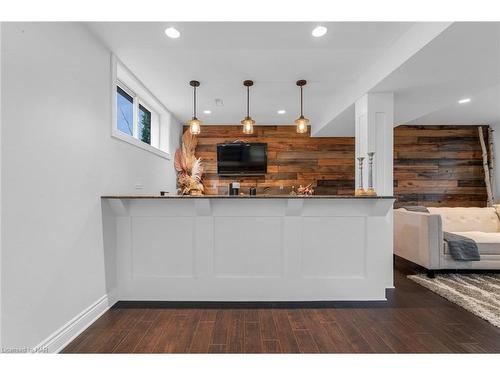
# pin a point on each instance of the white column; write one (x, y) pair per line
(374, 133)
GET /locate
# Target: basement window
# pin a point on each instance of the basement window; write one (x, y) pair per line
(125, 108)
(144, 125)
(139, 118)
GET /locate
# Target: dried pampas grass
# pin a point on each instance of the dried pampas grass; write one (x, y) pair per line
(189, 168)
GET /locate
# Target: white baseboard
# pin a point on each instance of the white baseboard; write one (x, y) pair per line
(69, 331)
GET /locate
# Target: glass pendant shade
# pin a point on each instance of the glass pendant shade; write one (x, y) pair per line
(194, 126)
(302, 124)
(248, 124)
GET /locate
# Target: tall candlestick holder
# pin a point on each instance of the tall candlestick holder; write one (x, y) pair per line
(370, 191)
(360, 189)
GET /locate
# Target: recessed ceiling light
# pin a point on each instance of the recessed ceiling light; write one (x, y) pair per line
(463, 101)
(172, 32)
(319, 31)
(207, 111)
(281, 112)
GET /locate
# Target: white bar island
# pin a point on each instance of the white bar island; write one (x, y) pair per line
(263, 248)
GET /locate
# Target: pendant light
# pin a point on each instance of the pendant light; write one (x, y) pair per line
(194, 124)
(302, 122)
(248, 122)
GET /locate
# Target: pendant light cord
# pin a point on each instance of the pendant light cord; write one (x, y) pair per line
(248, 101)
(194, 102)
(301, 102)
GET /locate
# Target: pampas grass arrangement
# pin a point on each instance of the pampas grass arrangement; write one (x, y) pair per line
(189, 168)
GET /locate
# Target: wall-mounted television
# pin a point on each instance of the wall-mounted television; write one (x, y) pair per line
(241, 159)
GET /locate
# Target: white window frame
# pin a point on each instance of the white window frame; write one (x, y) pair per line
(156, 127)
(143, 96)
(125, 88)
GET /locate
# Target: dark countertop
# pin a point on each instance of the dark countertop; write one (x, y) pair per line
(243, 197)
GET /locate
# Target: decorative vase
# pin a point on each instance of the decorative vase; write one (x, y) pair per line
(360, 190)
(370, 190)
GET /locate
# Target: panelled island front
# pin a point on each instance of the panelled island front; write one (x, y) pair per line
(263, 248)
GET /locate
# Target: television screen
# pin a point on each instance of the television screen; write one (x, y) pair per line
(241, 159)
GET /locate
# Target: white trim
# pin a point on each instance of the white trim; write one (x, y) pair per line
(153, 105)
(142, 87)
(113, 82)
(69, 331)
(124, 87)
(156, 124)
(134, 97)
(135, 116)
(115, 133)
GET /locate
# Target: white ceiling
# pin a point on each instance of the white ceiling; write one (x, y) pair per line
(464, 61)
(484, 109)
(461, 62)
(274, 55)
(428, 66)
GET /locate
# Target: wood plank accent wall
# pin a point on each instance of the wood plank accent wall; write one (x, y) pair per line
(433, 165)
(438, 166)
(293, 160)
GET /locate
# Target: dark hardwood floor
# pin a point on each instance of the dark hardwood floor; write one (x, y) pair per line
(413, 320)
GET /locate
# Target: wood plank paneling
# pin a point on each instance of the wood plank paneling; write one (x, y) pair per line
(438, 165)
(293, 160)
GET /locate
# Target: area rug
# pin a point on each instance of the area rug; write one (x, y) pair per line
(477, 293)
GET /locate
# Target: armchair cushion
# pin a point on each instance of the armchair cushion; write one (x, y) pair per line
(468, 219)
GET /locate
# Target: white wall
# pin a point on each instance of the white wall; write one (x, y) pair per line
(57, 159)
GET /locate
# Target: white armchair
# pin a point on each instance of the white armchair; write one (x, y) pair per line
(418, 236)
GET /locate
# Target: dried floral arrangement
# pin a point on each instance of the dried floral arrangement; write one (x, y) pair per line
(189, 168)
(305, 190)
